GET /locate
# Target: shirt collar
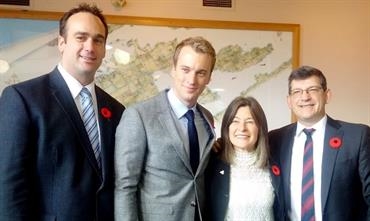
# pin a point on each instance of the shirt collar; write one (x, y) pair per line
(319, 126)
(73, 84)
(178, 107)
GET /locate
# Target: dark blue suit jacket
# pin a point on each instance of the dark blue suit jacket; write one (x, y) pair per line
(345, 187)
(217, 178)
(47, 166)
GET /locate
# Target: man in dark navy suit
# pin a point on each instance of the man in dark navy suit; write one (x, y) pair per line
(49, 168)
(340, 186)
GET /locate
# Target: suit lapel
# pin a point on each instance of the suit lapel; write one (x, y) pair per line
(170, 128)
(286, 160)
(63, 96)
(106, 129)
(211, 136)
(329, 157)
(275, 173)
(221, 184)
(167, 120)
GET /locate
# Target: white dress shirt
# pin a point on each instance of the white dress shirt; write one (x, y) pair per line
(297, 167)
(200, 123)
(75, 88)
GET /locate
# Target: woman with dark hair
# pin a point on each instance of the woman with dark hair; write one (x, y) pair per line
(238, 181)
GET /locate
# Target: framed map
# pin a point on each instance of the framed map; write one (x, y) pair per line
(253, 59)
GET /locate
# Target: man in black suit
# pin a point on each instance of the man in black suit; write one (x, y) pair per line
(339, 189)
(49, 170)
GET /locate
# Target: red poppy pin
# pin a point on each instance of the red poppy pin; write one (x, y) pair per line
(106, 113)
(335, 142)
(275, 170)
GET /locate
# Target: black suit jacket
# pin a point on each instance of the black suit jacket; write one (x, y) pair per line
(48, 169)
(345, 187)
(217, 179)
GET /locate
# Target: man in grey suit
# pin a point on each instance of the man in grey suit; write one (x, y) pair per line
(155, 179)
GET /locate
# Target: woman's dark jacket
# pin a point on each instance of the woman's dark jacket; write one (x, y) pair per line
(217, 183)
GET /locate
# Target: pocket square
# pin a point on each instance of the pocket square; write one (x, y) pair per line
(222, 172)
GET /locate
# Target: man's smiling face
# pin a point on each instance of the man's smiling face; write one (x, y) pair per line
(307, 100)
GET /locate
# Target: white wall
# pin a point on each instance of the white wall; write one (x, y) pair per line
(335, 37)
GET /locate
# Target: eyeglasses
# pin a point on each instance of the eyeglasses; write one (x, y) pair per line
(311, 91)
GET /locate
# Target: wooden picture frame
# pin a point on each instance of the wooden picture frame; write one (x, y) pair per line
(265, 78)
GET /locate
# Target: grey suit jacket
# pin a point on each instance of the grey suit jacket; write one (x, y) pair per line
(154, 179)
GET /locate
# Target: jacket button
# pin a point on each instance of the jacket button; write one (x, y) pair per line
(193, 204)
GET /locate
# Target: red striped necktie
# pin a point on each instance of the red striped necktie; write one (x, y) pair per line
(308, 201)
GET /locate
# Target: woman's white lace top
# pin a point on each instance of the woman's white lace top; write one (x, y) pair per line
(251, 193)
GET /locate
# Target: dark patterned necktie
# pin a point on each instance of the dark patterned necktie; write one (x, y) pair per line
(193, 141)
(88, 116)
(308, 201)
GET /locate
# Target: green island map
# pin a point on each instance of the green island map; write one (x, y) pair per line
(249, 63)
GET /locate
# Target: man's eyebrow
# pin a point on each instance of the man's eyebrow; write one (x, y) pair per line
(87, 34)
(81, 33)
(99, 36)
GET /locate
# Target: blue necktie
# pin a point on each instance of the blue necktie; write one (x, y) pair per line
(308, 201)
(88, 116)
(193, 141)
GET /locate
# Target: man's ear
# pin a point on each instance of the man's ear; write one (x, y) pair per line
(328, 96)
(61, 43)
(288, 100)
(173, 70)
